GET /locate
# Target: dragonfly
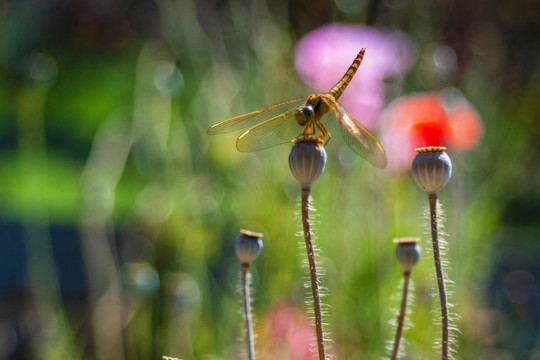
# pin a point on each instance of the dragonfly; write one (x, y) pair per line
(302, 119)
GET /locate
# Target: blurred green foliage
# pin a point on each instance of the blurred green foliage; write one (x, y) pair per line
(104, 108)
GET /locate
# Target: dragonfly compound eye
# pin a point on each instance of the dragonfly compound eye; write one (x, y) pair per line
(304, 114)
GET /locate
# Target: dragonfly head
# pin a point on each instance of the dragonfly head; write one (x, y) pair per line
(304, 115)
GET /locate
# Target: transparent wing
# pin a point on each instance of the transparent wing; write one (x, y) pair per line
(277, 130)
(359, 139)
(253, 118)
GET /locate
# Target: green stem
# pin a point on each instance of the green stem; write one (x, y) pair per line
(401, 316)
(306, 190)
(247, 312)
(440, 273)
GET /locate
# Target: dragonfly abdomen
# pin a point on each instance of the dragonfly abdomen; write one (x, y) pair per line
(338, 89)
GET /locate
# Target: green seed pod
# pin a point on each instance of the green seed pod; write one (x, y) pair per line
(248, 246)
(407, 252)
(307, 160)
(431, 169)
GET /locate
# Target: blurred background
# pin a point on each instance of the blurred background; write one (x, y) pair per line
(118, 214)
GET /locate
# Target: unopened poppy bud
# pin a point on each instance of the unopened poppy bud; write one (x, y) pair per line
(307, 160)
(431, 168)
(248, 245)
(407, 252)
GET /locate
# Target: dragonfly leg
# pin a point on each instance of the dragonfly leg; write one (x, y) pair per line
(308, 131)
(322, 132)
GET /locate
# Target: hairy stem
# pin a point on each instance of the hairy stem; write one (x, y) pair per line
(247, 312)
(313, 272)
(401, 316)
(440, 274)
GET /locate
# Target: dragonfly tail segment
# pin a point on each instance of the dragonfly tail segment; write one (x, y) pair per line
(338, 89)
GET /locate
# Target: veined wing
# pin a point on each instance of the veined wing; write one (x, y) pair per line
(277, 130)
(253, 118)
(359, 139)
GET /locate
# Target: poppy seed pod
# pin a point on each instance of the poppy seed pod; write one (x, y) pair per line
(307, 160)
(431, 168)
(407, 252)
(248, 246)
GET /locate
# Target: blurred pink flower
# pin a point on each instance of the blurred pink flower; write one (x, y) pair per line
(324, 55)
(428, 119)
(288, 330)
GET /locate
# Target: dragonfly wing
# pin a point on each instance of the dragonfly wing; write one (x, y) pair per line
(277, 130)
(358, 137)
(251, 119)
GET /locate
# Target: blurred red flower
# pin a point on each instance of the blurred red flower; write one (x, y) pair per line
(288, 333)
(428, 119)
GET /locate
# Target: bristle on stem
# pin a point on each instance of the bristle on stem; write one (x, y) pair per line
(306, 190)
(247, 312)
(401, 316)
(248, 246)
(440, 275)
